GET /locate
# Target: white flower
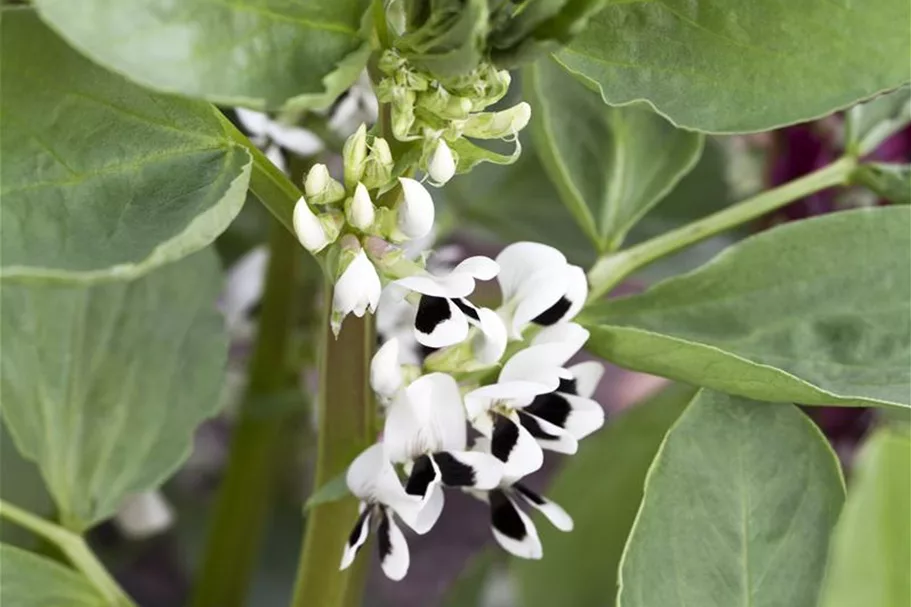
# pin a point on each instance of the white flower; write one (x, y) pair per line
(538, 286)
(357, 290)
(309, 229)
(244, 283)
(143, 515)
(360, 211)
(263, 130)
(386, 371)
(372, 479)
(512, 528)
(442, 165)
(415, 211)
(426, 430)
(356, 106)
(444, 315)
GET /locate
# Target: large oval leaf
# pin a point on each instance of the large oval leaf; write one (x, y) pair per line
(739, 504)
(103, 385)
(29, 580)
(101, 178)
(601, 488)
(870, 564)
(743, 65)
(610, 165)
(260, 54)
(813, 312)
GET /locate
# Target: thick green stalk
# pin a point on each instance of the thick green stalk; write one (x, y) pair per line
(347, 425)
(609, 271)
(75, 549)
(244, 500)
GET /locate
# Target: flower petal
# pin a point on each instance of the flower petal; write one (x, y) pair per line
(357, 538)
(538, 364)
(579, 416)
(479, 267)
(586, 376)
(295, 139)
(358, 289)
(394, 555)
(276, 157)
(513, 393)
(538, 296)
(490, 345)
(385, 370)
(439, 323)
(576, 291)
(552, 510)
(469, 469)
(512, 528)
(415, 211)
(449, 286)
(515, 447)
(521, 261)
(253, 122)
(549, 436)
(565, 340)
(427, 417)
(372, 478)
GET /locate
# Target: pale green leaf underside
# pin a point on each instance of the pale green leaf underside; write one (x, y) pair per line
(870, 561)
(812, 312)
(101, 178)
(601, 488)
(257, 53)
(29, 580)
(738, 507)
(727, 66)
(610, 165)
(103, 385)
(869, 124)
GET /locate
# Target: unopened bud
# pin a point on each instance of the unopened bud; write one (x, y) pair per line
(359, 208)
(320, 187)
(354, 155)
(445, 105)
(308, 228)
(442, 164)
(498, 125)
(358, 287)
(415, 211)
(379, 164)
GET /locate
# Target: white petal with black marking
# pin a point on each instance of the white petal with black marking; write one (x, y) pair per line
(428, 416)
(576, 291)
(513, 445)
(512, 393)
(439, 323)
(563, 340)
(450, 285)
(358, 536)
(549, 436)
(587, 375)
(469, 469)
(372, 478)
(540, 299)
(393, 549)
(512, 528)
(552, 510)
(521, 261)
(577, 415)
(490, 344)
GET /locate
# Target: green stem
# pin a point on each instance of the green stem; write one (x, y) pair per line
(347, 425)
(610, 270)
(75, 549)
(244, 500)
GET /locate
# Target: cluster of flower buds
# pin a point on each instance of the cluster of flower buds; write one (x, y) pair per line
(439, 114)
(535, 402)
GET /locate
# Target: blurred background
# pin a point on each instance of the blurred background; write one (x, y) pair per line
(155, 544)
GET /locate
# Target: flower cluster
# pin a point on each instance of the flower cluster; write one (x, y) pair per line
(535, 402)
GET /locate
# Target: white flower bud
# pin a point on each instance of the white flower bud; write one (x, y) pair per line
(385, 370)
(498, 125)
(357, 290)
(442, 165)
(415, 212)
(360, 212)
(320, 187)
(308, 228)
(354, 155)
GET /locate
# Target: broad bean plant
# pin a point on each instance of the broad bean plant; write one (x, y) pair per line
(140, 136)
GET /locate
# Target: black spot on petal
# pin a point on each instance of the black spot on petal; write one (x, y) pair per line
(504, 438)
(383, 536)
(551, 407)
(431, 312)
(453, 472)
(568, 386)
(504, 517)
(422, 474)
(467, 309)
(530, 495)
(534, 428)
(553, 314)
(356, 531)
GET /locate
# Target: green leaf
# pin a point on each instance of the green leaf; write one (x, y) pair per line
(870, 561)
(725, 66)
(601, 488)
(610, 165)
(813, 312)
(100, 178)
(739, 504)
(869, 124)
(103, 385)
(332, 491)
(260, 54)
(21, 485)
(28, 580)
(891, 181)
